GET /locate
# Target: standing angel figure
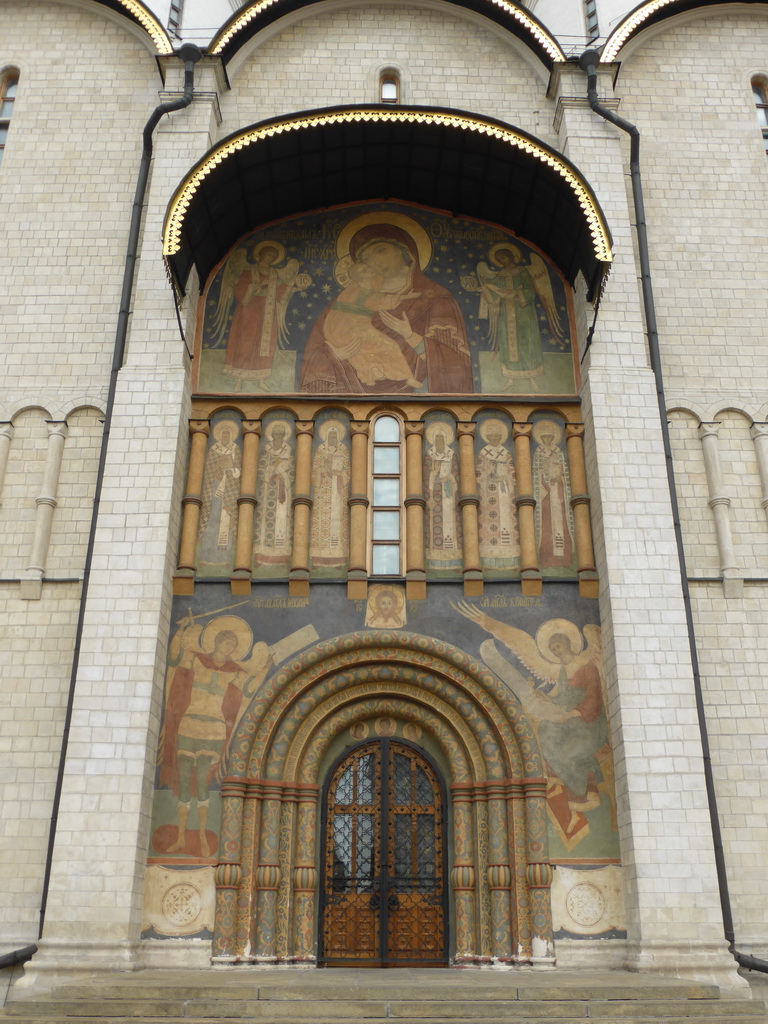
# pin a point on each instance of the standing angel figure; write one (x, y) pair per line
(565, 702)
(260, 292)
(508, 301)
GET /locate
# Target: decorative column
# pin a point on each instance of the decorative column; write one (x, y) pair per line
(415, 572)
(538, 874)
(228, 874)
(184, 577)
(6, 436)
(298, 578)
(720, 504)
(240, 581)
(305, 876)
(267, 875)
(357, 576)
(249, 848)
(463, 874)
(499, 872)
(759, 434)
(530, 574)
(468, 504)
(588, 582)
(46, 501)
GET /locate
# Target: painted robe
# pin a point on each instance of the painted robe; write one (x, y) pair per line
(274, 539)
(497, 514)
(442, 522)
(554, 516)
(218, 515)
(330, 515)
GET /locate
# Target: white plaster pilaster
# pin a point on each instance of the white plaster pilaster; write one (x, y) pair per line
(46, 501)
(720, 503)
(6, 436)
(759, 434)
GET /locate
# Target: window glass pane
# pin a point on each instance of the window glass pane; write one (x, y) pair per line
(386, 429)
(401, 780)
(389, 90)
(762, 117)
(344, 788)
(366, 851)
(342, 851)
(758, 93)
(386, 526)
(386, 460)
(386, 559)
(403, 847)
(6, 108)
(10, 87)
(3, 134)
(365, 770)
(386, 491)
(424, 794)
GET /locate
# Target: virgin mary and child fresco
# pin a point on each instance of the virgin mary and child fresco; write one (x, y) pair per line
(272, 322)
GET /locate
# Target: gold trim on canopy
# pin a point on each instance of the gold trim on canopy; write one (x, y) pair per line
(151, 26)
(185, 193)
(630, 25)
(550, 46)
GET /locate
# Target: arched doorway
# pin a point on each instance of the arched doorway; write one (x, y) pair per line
(384, 872)
(268, 876)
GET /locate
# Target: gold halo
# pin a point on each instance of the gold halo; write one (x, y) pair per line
(325, 427)
(238, 626)
(502, 245)
(551, 426)
(400, 220)
(435, 428)
(270, 429)
(269, 245)
(217, 428)
(494, 422)
(547, 630)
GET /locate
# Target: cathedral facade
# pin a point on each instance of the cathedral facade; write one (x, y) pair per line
(384, 486)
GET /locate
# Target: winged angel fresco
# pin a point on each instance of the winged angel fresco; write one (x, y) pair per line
(563, 698)
(509, 289)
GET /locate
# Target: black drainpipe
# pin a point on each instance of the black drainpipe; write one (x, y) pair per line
(190, 55)
(588, 62)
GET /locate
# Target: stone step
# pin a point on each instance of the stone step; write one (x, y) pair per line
(356, 1009)
(692, 1018)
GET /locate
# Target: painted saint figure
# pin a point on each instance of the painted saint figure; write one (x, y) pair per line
(441, 478)
(419, 316)
(508, 300)
(208, 689)
(221, 488)
(565, 702)
(497, 512)
(552, 491)
(261, 290)
(348, 329)
(274, 488)
(330, 515)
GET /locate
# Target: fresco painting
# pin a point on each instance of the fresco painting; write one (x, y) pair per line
(274, 491)
(442, 519)
(385, 298)
(546, 650)
(217, 531)
(552, 490)
(331, 468)
(497, 491)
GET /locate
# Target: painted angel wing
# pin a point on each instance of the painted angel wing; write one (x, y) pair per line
(543, 285)
(232, 274)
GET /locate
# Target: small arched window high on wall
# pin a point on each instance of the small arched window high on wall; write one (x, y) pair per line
(386, 498)
(8, 86)
(760, 96)
(389, 87)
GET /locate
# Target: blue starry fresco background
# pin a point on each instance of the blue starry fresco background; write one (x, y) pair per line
(458, 245)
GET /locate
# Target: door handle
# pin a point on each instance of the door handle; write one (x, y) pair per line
(375, 901)
(393, 902)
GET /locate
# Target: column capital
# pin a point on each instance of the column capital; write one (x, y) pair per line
(756, 430)
(574, 430)
(200, 427)
(521, 430)
(7, 430)
(57, 428)
(252, 427)
(360, 427)
(305, 427)
(414, 428)
(709, 429)
(466, 429)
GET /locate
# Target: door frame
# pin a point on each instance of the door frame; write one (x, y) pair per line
(384, 961)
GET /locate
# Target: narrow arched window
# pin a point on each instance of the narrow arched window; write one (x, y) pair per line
(389, 87)
(760, 96)
(8, 86)
(386, 498)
